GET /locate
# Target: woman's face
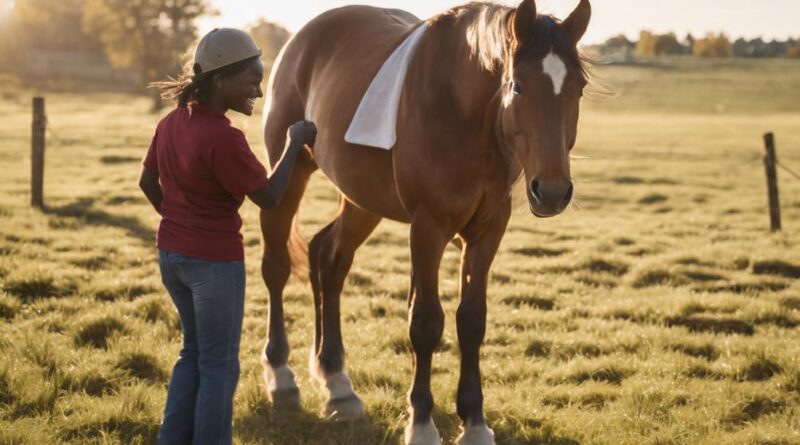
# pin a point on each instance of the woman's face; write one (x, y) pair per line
(240, 91)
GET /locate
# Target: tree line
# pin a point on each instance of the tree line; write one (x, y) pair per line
(150, 38)
(711, 45)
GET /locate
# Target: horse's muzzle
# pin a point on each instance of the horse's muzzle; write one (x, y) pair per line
(549, 198)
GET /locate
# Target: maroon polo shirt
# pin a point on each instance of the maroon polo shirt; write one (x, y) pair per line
(206, 168)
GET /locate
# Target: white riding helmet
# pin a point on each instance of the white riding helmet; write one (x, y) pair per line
(222, 47)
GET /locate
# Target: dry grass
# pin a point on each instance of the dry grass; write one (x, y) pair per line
(658, 311)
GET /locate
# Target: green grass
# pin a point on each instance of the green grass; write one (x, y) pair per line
(659, 309)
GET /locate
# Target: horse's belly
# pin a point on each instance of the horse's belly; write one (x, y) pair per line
(364, 175)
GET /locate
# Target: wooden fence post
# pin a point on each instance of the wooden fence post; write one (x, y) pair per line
(772, 182)
(37, 153)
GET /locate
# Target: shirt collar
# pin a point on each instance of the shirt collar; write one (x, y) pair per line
(203, 109)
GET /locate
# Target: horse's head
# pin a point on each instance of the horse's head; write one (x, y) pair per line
(543, 85)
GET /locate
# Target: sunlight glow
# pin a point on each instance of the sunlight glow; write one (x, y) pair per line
(766, 18)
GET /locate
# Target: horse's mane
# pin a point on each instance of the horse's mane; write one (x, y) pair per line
(491, 42)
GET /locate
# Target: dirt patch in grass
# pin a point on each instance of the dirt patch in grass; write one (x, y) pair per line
(534, 302)
(595, 280)
(126, 428)
(627, 180)
(624, 242)
(613, 267)
(539, 252)
(759, 369)
(693, 261)
(358, 279)
(755, 287)
(36, 286)
(703, 372)
(124, 200)
(97, 332)
(705, 351)
(657, 277)
(776, 267)
(119, 159)
(538, 348)
(653, 198)
(791, 303)
(610, 374)
(93, 383)
(701, 276)
(714, 325)
(91, 263)
(8, 307)
(121, 292)
(142, 366)
(753, 409)
(779, 319)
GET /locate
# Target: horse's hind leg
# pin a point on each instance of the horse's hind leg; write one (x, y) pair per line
(428, 241)
(331, 254)
(276, 265)
(481, 247)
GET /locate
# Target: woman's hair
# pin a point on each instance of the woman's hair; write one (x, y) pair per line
(194, 86)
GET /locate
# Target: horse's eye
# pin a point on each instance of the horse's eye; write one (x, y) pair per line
(516, 88)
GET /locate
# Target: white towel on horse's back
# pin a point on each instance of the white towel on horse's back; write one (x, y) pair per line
(375, 121)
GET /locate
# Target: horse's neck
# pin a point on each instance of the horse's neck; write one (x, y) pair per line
(452, 76)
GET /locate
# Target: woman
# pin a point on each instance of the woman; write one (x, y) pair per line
(196, 174)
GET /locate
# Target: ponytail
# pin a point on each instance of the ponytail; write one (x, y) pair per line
(194, 86)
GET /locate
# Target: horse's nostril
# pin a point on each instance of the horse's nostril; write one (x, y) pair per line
(535, 190)
(568, 195)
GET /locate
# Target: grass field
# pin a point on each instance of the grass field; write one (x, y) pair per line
(658, 310)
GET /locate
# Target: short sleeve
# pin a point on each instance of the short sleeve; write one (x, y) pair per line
(151, 158)
(236, 167)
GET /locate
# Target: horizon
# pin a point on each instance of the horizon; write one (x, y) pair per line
(769, 19)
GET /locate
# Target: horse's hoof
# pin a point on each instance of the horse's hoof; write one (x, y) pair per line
(348, 408)
(282, 391)
(422, 434)
(285, 399)
(476, 435)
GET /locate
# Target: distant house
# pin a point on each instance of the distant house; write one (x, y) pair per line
(617, 49)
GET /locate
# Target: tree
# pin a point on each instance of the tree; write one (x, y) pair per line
(150, 35)
(270, 37)
(650, 45)
(713, 45)
(646, 46)
(667, 45)
(42, 25)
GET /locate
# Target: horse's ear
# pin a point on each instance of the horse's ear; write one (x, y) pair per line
(524, 19)
(575, 25)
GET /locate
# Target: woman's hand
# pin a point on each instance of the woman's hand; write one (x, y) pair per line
(303, 132)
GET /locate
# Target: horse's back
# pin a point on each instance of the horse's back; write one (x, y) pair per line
(325, 70)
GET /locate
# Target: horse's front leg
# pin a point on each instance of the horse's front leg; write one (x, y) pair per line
(481, 247)
(428, 241)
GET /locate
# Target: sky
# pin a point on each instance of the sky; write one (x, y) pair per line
(737, 18)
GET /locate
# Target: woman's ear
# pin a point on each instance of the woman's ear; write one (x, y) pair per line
(217, 81)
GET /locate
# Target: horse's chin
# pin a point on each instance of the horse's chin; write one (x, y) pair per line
(542, 214)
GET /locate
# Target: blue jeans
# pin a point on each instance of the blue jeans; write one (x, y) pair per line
(210, 300)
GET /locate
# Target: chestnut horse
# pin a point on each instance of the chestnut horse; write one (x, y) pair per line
(491, 93)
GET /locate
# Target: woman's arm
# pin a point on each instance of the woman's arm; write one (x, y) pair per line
(300, 134)
(149, 184)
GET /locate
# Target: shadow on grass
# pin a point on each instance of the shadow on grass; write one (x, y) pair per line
(82, 211)
(267, 426)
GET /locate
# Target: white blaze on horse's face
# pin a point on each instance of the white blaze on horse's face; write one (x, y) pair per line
(555, 68)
